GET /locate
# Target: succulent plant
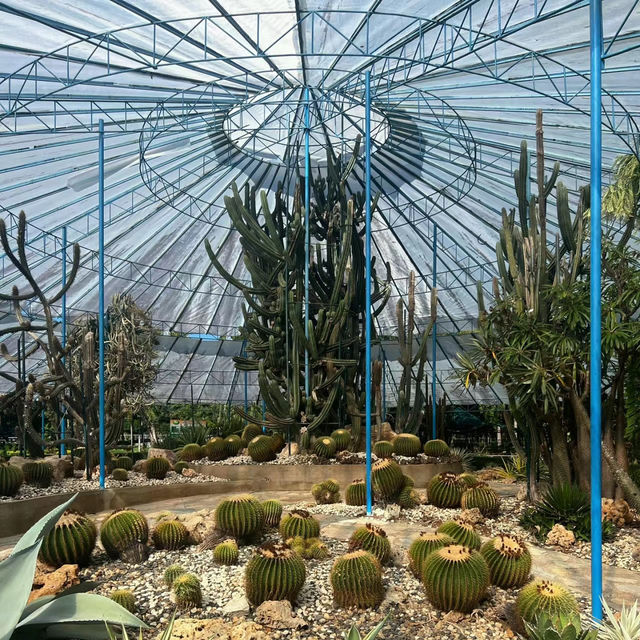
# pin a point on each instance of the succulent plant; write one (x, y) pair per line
(226, 552)
(408, 481)
(240, 516)
(309, 548)
(508, 559)
(356, 493)
(325, 447)
(422, 546)
(121, 475)
(191, 452)
(157, 468)
(407, 444)
(179, 466)
(299, 523)
(327, 492)
(122, 531)
(124, 598)
(455, 578)
(481, 497)
(563, 627)
(250, 432)
(542, 596)
(408, 498)
(37, 473)
(469, 479)
(233, 445)
(387, 478)
(372, 539)
(356, 579)
(123, 462)
(445, 490)
(216, 449)
(171, 573)
(71, 540)
(342, 438)
(277, 442)
(274, 572)
(272, 512)
(462, 532)
(383, 449)
(170, 535)
(11, 478)
(261, 449)
(436, 448)
(187, 591)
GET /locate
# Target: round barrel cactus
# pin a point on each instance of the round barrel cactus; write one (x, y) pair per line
(216, 449)
(383, 449)
(327, 492)
(356, 580)
(157, 468)
(462, 533)
(122, 530)
(387, 478)
(422, 546)
(508, 559)
(342, 438)
(170, 535)
(179, 466)
(261, 449)
(250, 432)
(309, 548)
(71, 540)
(37, 473)
(226, 552)
(123, 462)
(445, 490)
(277, 442)
(272, 512)
(372, 539)
(299, 523)
(543, 596)
(171, 573)
(325, 447)
(274, 572)
(469, 479)
(240, 516)
(436, 448)
(191, 452)
(407, 444)
(356, 493)
(455, 578)
(233, 444)
(187, 591)
(124, 598)
(482, 497)
(408, 498)
(121, 475)
(11, 478)
(408, 481)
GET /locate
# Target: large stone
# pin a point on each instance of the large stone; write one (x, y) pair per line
(294, 450)
(215, 629)
(616, 511)
(197, 524)
(278, 614)
(62, 467)
(18, 461)
(560, 536)
(189, 472)
(48, 582)
(391, 512)
(470, 516)
(237, 606)
(139, 466)
(162, 453)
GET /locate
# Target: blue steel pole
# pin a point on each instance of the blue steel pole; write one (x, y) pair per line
(63, 422)
(595, 15)
(42, 424)
(101, 292)
(264, 415)
(434, 337)
(384, 386)
(307, 242)
(367, 279)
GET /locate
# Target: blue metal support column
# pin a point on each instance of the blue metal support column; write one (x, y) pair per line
(264, 415)
(101, 293)
(42, 424)
(595, 381)
(434, 337)
(384, 386)
(367, 279)
(63, 422)
(307, 248)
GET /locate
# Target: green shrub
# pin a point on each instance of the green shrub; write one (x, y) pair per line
(372, 539)
(387, 479)
(325, 447)
(170, 535)
(37, 473)
(226, 553)
(407, 444)
(241, 517)
(356, 493)
(299, 523)
(171, 573)
(187, 591)
(445, 490)
(121, 475)
(509, 561)
(123, 531)
(422, 546)
(71, 540)
(261, 449)
(481, 497)
(436, 448)
(123, 462)
(462, 533)
(157, 468)
(11, 478)
(272, 512)
(342, 438)
(356, 580)
(216, 449)
(542, 596)
(124, 598)
(383, 449)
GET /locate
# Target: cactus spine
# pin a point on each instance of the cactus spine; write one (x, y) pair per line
(187, 591)
(226, 553)
(356, 579)
(124, 598)
(240, 516)
(445, 490)
(216, 449)
(11, 478)
(422, 546)
(272, 513)
(325, 447)
(299, 523)
(372, 539)
(462, 533)
(482, 497)
(71, 540)
(509, 561)
(170, 535)
(122, 531)
(356, 493)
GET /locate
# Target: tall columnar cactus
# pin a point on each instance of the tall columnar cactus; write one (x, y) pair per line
(216, 449)
(436, 448)
(71, 540)
(191, 452)
(423, 546)
(187, 591)
(342, 438)
(241, 517)
(508, 559)
(37, 473)
(327, 492)
(261, 449)
(274, 572)
(233, 445)
(356, 579)
(455, 578)
(356, 493)
(171, 573)
(272, 512)
(542, 596)
(463, 533)
(226, 553)
(299, 523)
(410, 410)
(482, 497)
(123, 462)
(407, 444)
(124, 598)
(11, 478)
(123, 531)
(325, 447)
(170, 535)
(387, 478)
(372, 539)
(445, 490)
(383, 449)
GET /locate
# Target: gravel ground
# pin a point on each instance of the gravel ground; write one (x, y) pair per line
(311, 458)
(71, 485)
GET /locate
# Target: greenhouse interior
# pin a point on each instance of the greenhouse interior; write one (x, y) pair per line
(320, 319)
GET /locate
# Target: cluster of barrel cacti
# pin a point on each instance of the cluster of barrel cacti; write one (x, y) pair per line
(241, 517)
(327, 492)
(408, 445)
(191, 452)
(450, 491)
(309, 548)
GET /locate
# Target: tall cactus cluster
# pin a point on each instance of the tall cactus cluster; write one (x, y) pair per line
(272, 236)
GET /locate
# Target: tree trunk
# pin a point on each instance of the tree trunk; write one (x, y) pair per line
(583, 445)
(630, 490)
(560, 464)
(621, 425)
(510, 424)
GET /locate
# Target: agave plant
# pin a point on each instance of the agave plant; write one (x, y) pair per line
(514, 469)
(626, 626)
(70, 614)
(354, 633)
(464, 457)
(560, 627)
